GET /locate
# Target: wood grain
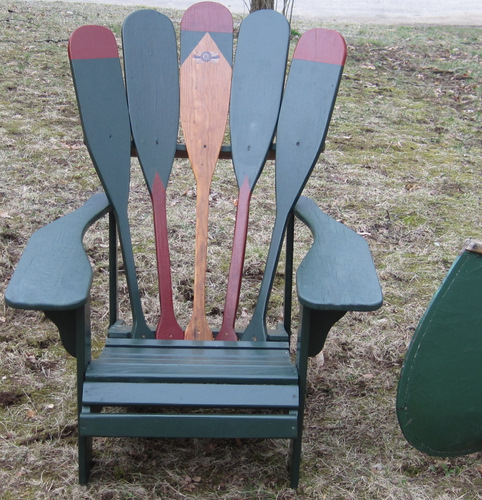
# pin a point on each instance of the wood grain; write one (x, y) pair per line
(205, 84)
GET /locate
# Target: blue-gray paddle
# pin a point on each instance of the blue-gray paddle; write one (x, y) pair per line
(302, 127)
(101, 96)
(258, 77)
(152, 79)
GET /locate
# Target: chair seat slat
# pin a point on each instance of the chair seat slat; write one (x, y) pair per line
(211, 395)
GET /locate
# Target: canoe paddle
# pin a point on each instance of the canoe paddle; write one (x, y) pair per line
(439, 397)
(152, 80)
(258, 77)
(101, 97)
(305, 114)
(205, 82)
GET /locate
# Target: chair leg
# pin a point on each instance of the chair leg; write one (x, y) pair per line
(85, 458)
(294, 462)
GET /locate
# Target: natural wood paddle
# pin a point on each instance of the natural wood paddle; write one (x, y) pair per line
(101, 96)
(258, 77)
(152, 79)
(303, 123)
(205, 82)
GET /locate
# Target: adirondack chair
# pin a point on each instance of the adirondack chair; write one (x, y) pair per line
(249, 378)
(439, 400)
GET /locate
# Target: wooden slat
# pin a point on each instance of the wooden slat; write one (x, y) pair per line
(168, 372)
(196, 344)
(205, 354)
(208, 395)
(224, 154)
(190, 426)
(200, 360)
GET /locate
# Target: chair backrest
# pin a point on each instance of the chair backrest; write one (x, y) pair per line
(145, 107)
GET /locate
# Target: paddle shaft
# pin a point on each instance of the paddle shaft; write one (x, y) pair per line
(139, 325)
(167, 326)
(227, 331)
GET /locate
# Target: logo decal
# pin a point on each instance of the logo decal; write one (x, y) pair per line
(207, 56)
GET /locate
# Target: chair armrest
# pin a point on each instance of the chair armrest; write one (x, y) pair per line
(338, 273)
(54, 271)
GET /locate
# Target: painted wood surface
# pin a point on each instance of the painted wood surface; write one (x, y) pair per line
(212, 395)
(303, 123)
(151, 73)
(54, 272)
(205, 83)
(227, 426)
(337, 273)
(258, 79)
(101, 97)
(439, 400)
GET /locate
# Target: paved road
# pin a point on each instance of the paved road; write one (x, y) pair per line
(456, 12)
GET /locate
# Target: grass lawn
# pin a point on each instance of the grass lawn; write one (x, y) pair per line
(402, 167)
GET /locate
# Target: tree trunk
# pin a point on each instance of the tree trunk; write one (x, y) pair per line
(261, 4)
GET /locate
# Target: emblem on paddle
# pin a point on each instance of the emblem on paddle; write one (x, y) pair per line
(207, 56)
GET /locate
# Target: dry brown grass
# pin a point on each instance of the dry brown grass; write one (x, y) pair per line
(402, 167)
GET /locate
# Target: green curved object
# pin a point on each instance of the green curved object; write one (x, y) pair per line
(439, 400)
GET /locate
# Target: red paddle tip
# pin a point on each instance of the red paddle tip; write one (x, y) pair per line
(321, 45)
(207, 16)
(92, 42)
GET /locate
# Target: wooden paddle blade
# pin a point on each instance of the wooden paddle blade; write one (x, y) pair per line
(205, 81)
(303, 122)
(102, 101)
(207, 17)
(306, 110)
(258, 79)
(205, 74)
(152, 79)
(101, 97)
(439, 400)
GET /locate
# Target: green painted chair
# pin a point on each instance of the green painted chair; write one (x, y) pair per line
(247, 383)
(439, 401)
